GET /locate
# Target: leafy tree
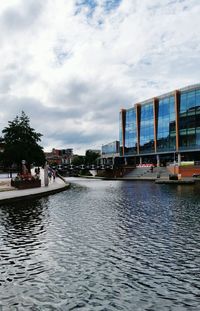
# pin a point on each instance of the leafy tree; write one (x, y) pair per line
(21, 143)
(78, 160)
(91, 157)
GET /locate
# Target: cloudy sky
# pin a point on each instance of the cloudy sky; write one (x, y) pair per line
(72, 64)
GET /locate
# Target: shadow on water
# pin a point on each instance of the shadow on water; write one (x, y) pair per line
(23, 219)
(23, 228)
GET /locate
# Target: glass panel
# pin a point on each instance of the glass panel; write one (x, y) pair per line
(198, 98)
(166, 124)
(183, 103)
(110, 148)
(147, 128)
(130, 132)
(198, 136)
(120, 134)
(189, 119)
(191, 100)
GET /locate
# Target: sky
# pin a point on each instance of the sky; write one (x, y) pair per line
(71, 65)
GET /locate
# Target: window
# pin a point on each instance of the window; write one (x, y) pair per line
(166, 124)
(147, 128)
(189, 119)
(130, 132)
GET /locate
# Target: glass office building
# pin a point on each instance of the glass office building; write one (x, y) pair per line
(109, 153)
(110, 148)
(163, 127)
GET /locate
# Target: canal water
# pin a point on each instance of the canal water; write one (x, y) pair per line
(102, 246)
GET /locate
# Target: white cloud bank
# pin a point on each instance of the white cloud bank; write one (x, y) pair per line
(71, 65)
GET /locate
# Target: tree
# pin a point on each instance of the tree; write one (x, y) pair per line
(21, 143)
(78, 160)
(91, 157)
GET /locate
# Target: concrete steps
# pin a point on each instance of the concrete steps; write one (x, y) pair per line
(145, 172)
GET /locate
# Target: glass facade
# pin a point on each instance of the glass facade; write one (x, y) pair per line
(111, 148)
(120, 133)
(189, 120)
(147, 128)
(130, 132)
(182, 106)
(166, 126)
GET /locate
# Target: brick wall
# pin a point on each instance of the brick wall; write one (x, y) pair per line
(185, 171)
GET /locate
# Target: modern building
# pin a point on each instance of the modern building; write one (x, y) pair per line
(109, 152)
(162, 129)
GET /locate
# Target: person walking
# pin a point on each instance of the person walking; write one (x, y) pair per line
(49, 175)
(54, 175)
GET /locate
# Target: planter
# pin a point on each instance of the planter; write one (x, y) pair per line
(173, 177)
(26, 184)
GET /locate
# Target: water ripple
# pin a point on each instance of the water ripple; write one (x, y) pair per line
(102, 245)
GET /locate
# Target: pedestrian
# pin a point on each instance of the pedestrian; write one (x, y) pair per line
(54, 175)
(49, 175)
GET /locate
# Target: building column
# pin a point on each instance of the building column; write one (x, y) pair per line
(125, 161)
(155, 112)
(158, 160)
(123, 121)
(177, 108)
(113, 160)
(140, 160)
(137, 107)
(179, 159)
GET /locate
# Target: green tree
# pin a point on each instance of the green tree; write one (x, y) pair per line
(78, 160)
(91, 157)
(21, 143)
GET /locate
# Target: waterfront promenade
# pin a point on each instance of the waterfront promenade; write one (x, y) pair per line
(11, 194)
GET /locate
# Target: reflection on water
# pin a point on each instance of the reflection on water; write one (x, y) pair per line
(102, 245)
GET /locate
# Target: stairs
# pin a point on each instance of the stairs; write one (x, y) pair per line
(145, 173)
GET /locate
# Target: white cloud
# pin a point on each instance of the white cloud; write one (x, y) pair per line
(71, 67)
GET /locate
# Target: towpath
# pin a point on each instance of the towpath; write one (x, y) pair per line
(10, 194)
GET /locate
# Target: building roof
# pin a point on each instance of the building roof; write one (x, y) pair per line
(186, 88)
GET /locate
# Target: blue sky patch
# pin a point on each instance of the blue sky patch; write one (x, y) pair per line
(108, 5)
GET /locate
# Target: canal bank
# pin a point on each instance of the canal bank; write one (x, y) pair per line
(186, 181)
(54, 186)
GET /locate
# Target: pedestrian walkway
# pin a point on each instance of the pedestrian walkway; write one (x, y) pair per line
(54, 186)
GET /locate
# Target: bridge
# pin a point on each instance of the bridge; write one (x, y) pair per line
(71, 167)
